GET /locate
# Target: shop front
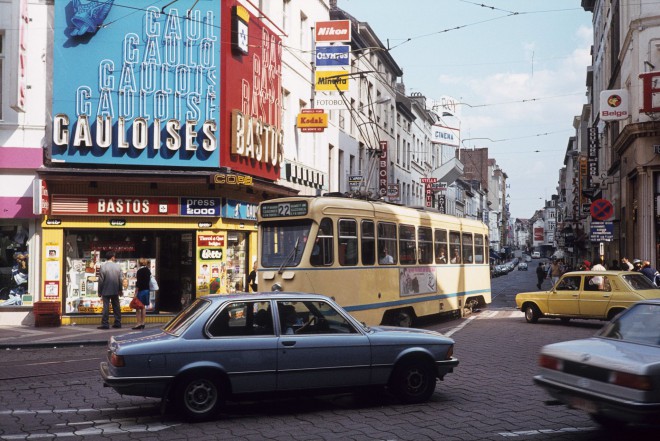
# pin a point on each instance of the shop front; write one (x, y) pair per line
(190, 255)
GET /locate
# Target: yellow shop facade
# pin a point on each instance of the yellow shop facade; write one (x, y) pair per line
(198, 232)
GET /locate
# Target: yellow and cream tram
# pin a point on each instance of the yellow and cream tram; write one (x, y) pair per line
(384, 263)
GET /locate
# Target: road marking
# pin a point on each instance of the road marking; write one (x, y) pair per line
(85, 410)
(105, 429)
(545, 431)
(461, 326)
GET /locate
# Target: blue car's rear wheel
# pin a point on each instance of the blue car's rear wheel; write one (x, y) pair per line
(199, 396)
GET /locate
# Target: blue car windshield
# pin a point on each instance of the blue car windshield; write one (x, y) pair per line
(185, 318)
(283, 242)
(638, 282)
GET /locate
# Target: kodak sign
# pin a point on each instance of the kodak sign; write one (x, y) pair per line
(333, 31)
(312, 120)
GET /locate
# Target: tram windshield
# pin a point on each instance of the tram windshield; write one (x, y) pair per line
(283, 242)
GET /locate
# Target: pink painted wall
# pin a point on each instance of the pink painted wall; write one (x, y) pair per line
(20, 157)
(16, 207)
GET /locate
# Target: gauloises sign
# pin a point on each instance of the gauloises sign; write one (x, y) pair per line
(137, 86)
(252, 79)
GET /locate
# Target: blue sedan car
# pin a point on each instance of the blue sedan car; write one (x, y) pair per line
(222, 347)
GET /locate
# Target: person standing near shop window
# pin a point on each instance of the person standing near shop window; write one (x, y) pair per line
(143, 276)
(109, 289)
(252, 278)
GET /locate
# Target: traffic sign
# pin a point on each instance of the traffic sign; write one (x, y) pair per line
(601, 209)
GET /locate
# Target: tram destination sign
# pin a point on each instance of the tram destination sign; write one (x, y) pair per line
(284, 209)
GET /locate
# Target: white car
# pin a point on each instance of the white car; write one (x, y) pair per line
(615, 375)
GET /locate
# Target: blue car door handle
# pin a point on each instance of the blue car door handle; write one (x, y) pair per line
(288, 343)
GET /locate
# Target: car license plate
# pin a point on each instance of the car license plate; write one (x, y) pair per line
(585, 405)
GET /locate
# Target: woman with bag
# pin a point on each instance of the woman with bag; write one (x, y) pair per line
(143, 277)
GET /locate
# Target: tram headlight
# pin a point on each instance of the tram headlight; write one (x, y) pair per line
(276, 287)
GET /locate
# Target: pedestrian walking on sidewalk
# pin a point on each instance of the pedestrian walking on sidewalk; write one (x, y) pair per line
(142, 279)
(109, 289)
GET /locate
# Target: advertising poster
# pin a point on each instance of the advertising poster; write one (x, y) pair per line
(211, 268)
(137, 85)
(417, 281)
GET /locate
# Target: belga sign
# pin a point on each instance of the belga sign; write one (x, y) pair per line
(136, 86)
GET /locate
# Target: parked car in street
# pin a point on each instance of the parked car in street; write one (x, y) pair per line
(587, 295)
(227, 346)
(522, 266)
(615, 375)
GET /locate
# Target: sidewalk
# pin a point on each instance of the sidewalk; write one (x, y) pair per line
(16, 337)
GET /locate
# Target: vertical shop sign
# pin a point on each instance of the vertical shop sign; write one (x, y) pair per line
(442, 204)
(252, 91)
(428, 190)
(593, 146)
(21, 84)
(382, 169)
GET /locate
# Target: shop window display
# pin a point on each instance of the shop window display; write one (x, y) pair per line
(14, 266)
(84, 261)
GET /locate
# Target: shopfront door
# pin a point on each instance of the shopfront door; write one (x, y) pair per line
(176, 256)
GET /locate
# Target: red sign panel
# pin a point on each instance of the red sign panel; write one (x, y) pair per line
(114, 205)
(333, 31)
(382, 169)
(251, 104)
(210, 240)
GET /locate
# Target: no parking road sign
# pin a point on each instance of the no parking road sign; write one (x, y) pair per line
(601, 209)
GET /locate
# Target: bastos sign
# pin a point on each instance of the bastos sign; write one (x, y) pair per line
(252, 83)
(137, 89)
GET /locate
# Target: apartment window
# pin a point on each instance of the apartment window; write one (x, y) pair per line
(286, 19)
(304, 34)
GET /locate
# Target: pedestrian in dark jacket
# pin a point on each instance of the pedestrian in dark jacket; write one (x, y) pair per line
(540, 275)
(650, 272)
(109, 289)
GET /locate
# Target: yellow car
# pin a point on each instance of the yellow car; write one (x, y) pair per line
(587, 295)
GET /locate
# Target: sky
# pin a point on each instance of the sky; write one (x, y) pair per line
(517, 66)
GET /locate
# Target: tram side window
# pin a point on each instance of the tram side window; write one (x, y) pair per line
(348, 253)
(455, 247)
(425, 244)
(407, 244)
(368, 243)
(468, 250)
(387, 254)
(441, 247)
(479, 256)
(322, 253)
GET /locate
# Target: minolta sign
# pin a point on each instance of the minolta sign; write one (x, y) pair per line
(337, 55)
